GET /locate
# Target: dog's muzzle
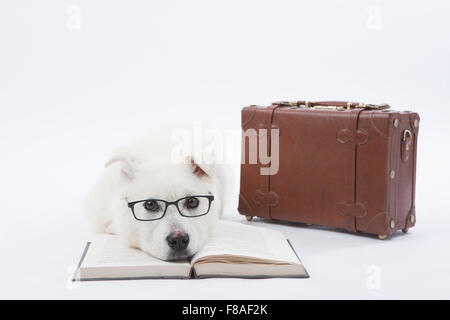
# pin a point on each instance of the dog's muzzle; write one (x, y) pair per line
(178, 241)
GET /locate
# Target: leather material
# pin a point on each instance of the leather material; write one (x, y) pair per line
(351, 169)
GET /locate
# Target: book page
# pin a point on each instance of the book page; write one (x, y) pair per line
(233, 242)
(108, 257)
(108, 250)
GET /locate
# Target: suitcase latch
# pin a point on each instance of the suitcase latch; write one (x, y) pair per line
(407, 140)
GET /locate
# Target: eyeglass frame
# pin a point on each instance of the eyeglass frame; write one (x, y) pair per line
(169, 203)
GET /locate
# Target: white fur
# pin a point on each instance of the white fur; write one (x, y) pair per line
(143, 170)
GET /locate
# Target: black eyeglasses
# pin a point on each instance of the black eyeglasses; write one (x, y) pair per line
(155, 209)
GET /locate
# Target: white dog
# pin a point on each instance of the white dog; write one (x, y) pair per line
(164, 207)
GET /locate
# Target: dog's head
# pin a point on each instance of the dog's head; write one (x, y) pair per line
(167, 209)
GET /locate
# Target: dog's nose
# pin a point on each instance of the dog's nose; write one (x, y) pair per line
(178, 241)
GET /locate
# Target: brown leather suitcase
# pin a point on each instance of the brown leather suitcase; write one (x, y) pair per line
(340, 164)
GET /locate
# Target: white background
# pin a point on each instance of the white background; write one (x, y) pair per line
(73, 89)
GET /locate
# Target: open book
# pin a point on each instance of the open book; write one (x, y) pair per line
(234, 250)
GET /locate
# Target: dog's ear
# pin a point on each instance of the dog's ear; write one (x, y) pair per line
(202, 171)
(128, 163)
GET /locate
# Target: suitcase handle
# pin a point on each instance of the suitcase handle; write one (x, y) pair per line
(332, 104)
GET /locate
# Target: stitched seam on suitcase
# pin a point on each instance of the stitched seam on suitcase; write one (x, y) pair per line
(265, 180)
(355, 186)
(397, 160)
(413, 196)
(413, 177)
(391, 186)
(356, 170)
